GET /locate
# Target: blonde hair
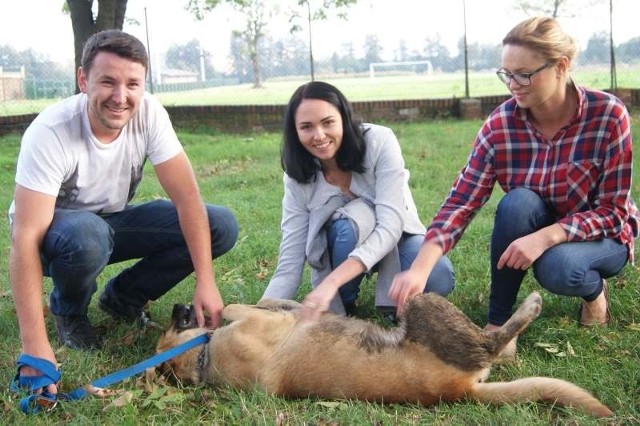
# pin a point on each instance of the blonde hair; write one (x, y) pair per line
(545, 36)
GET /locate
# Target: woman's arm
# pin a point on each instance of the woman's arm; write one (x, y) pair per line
(294, 226)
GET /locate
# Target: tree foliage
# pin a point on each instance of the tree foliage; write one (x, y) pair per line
(258, 14)
(189, 57)
(317, 14)
(555, 8)
(597, 51)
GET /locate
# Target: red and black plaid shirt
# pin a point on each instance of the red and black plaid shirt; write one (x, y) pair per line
(584, 172)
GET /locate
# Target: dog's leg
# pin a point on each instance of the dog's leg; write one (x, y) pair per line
(527, 312)
(539, 389)
(432, 321)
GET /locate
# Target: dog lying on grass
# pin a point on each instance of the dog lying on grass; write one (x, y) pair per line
(435, 354)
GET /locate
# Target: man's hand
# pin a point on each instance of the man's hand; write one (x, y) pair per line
(45, 352)
(206, 298)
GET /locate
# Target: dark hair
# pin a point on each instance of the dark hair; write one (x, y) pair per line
(295, 160)
(114, 41)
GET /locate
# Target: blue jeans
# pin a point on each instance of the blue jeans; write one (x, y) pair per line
(342, 239)
(569, 269)
(79, 244)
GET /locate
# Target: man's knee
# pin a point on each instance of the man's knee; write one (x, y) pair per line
(224, 229)
(82, 235)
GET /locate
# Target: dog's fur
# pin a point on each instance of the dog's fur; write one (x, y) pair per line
(435, 354)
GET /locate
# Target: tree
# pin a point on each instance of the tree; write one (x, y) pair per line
(554, 8)
(629, 51)
(597, 51)
(319, 14)
(240, 62)
(257, 14)
(289, 57)
(372, 49)
(402, 52)
(436, 52)
(189, 57)
(110, 15)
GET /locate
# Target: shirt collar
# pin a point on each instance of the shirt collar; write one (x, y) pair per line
(522, 113)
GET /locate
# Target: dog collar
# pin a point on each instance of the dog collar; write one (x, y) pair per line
(202, 361)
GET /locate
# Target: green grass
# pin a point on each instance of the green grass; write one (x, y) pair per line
(243, 173)
(356, 88)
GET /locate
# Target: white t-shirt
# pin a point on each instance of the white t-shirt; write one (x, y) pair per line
(60, 156)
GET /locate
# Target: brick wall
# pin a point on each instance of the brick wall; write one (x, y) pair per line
(254, 118)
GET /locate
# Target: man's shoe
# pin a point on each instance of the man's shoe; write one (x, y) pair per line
(125, 313)
(76, 332)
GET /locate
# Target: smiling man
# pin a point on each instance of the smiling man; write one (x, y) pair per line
(80, 163)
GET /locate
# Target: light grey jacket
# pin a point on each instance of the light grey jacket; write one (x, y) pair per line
(306, 208)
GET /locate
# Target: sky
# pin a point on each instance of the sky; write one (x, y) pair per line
(41, 25)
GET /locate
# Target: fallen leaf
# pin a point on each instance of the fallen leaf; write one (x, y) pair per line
(554, 349)
(570, 350)
(121, 401)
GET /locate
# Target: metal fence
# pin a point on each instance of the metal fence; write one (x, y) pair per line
(419, 63)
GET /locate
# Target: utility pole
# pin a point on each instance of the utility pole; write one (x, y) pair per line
(466, 55)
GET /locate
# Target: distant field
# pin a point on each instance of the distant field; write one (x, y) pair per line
(362, 88)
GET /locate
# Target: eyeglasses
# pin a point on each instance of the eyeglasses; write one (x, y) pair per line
(522, 78)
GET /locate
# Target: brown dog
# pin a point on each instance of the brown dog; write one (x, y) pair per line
(435, 354)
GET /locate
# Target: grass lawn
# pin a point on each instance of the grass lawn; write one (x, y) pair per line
(243, 173)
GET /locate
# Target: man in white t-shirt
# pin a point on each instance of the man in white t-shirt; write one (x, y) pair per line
(80, 163)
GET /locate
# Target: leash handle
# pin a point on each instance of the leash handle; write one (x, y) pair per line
(140, 367)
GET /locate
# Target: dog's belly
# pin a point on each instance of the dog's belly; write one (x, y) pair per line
(408, 374)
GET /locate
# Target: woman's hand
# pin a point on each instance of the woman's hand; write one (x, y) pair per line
(412, 282)
(317, 302)
(320, 298)
(521, 253)
(405, 285)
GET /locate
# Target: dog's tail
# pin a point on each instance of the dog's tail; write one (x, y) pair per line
(539, 389)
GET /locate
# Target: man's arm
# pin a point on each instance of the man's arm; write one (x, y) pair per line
(33, 215)
(178, 180)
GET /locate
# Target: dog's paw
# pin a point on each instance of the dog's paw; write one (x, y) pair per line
(532, 305)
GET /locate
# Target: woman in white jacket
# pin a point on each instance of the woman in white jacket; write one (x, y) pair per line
(347, 207)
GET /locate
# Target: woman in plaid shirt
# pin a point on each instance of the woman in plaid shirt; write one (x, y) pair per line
(562, 155)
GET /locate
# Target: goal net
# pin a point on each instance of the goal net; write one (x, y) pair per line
(413, 67)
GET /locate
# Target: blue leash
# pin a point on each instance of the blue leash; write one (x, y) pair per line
(27, 404)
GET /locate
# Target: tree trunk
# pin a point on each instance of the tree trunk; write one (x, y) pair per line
(111, 15)
(257, 72)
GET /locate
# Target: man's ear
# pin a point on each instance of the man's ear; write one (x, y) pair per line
(82, 80)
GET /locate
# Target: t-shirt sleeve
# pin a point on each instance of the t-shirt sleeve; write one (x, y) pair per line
(163, 141)
(35, 169)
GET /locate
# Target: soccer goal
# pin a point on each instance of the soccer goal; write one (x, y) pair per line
(407, 66)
